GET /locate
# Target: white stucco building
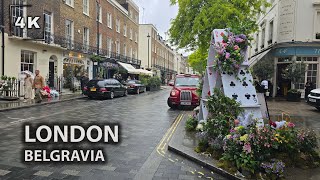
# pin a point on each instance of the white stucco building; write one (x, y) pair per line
(289, 31)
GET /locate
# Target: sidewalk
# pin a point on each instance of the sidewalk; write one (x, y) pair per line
(19, 104)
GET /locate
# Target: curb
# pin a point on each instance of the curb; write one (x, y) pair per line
(198, 161)
(40, 104)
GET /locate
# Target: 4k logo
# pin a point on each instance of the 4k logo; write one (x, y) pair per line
(22, 22)
(30, 22)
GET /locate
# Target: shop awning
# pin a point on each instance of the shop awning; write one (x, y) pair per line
(129, 68)
(255, 59)
(145, 72)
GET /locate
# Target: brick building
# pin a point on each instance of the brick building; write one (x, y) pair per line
(71, 33)
(155, 53)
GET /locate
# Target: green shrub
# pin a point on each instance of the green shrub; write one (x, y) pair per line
(191, 124)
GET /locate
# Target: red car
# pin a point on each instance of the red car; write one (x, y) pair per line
(183, 92)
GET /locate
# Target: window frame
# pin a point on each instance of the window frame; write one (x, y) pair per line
(86, 7)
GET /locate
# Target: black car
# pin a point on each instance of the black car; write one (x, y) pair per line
(104, 88)
(135, 86)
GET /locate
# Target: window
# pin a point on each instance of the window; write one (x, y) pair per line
(131, 33)
(48, 27)
(99, 13)
(125, 30)
(69, 34)
(263, 35)
(70, 2)
(15, 13)
(86, 38)
(136, 36)
(118, 47)
(136, 19)
(130, 13)
(270, 32)
(317, 25)
(257, 41)
(109, 46)
(109, 20)
(118, 25)
(312, 72)
(131, 52)
(27, 61)
(124, 49)
(86, 7)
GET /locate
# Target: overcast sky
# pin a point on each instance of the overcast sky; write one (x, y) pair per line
(157, 12)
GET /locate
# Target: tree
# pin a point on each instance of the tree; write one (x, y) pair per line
(263, 69)
(295, 72)
(198, 60)
(196, 19)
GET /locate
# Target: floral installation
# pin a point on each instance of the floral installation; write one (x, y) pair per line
(230, 52)
(275, 168)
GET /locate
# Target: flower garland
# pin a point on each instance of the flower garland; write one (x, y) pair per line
(230, 52)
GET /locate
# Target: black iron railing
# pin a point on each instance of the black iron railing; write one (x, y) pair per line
(83, 48)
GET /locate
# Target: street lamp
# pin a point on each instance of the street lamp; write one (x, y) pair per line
(148, 49)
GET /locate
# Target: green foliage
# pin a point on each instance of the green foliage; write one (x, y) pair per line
(191, 124)
(295, 72)
(196, 19)
(294, 91)
(69, 77)
(200, 87)
(96, 58)
(263, 69)
(154, 81)
(198, 60)
(4, 77)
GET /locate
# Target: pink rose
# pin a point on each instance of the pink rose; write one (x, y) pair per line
(236, 47)
(291, 125)
(227, 55)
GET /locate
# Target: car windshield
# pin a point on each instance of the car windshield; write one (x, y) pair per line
(131, 82)
(187, 81)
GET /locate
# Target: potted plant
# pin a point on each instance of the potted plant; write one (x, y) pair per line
(294, 72)
(154, 83)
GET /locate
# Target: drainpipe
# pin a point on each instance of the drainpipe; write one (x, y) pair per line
(2, 34)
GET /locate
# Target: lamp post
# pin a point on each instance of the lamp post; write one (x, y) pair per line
(148, 49)
(2, 35)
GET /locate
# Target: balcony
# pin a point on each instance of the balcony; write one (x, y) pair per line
(67, 43)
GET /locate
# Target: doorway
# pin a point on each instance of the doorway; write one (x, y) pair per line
(283, 84)
(51, 74)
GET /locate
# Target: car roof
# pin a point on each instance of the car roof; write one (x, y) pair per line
(187, 75)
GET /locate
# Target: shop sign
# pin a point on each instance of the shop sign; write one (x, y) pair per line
(297, 51)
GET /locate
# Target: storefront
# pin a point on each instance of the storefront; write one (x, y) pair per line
(73, 69)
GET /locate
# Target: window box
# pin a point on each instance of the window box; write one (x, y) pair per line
(262, 46)
(317, 35)
(270, 41)
(256, 49)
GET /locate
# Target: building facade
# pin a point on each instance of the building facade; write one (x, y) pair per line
(72, 32)
(155, 53)
(289, 31)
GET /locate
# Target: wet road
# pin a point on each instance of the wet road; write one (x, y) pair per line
(144, 120)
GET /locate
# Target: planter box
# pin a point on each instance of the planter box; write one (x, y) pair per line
(294, 97)
(153, 88)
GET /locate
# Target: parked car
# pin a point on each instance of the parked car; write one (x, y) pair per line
(314, 98)
(183, 92)
(135, 86)
(171, 82)
(105, 88)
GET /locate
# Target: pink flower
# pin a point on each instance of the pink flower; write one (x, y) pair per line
(247, 148)
(291, 125)
(236, 47)
(227, 55)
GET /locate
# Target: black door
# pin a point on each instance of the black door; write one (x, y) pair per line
(284, 85)
(51, 75)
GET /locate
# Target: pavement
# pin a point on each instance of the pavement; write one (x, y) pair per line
(19, 104)
(147, 125)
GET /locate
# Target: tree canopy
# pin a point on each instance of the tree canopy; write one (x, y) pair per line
(196, 19)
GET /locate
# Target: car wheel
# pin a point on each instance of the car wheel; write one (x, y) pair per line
(171, 105)
(318, 108)
(138, 91)
(125, 93)
(90, 97)
(111, 95)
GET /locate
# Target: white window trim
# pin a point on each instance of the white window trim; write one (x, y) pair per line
(136, 37)
(118, 28)
(71, 4)
(131, 33)
(109, 19)
(88, 6)
(316, 21)
(125, 30)
(86, 39)
(100, 14)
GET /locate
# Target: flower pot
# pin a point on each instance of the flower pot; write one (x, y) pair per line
(294, 97)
